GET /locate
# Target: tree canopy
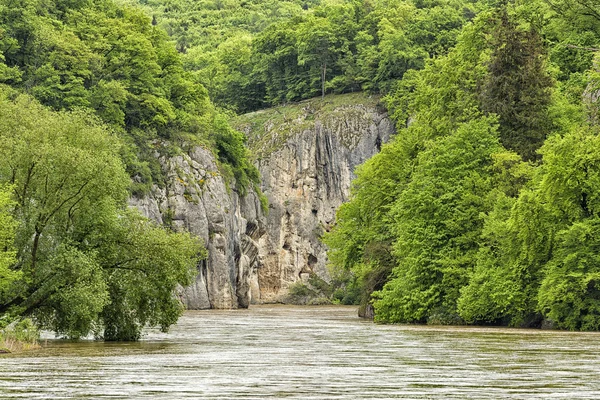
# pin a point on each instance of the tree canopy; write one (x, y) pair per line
(251, 54)
(82, 262)
(486, 207)
(109, 58)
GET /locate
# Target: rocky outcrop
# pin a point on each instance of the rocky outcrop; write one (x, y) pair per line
(306, 154)
(197, 198)
(306, 158)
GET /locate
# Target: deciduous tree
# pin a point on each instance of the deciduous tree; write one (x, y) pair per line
(86, 263)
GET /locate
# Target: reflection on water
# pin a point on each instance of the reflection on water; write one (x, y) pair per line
(310, 352)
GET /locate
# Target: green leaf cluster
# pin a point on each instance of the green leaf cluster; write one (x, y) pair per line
(108, 57)
(7, 236)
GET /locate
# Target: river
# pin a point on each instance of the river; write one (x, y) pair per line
(310, 352)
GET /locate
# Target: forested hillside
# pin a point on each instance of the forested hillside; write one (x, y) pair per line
(484, 208)
(251, 54)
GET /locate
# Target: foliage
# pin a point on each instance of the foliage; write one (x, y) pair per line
(18, 335)
(569, 192)
(314, 291)
(483, 209)
(255, 53)
(81, 262)
(569, 294)
(477, 233)
(439, 99)
(7, 236)
(504, 284)
(538, 257)
(233, 155)
(360, 242)
(109, 58)
(437, 221)
(85, 263)
(517, 88)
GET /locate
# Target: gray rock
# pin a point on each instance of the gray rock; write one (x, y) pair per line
(306, 165)
(306, 179)
(196, 198)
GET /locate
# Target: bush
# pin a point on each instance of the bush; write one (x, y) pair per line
(18, 335)
(316, 291)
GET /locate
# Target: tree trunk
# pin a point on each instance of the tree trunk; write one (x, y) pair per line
(323, 74)
(34, 250)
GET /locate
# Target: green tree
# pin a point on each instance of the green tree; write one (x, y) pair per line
(518, 87)
(438, 99)
(515, 245)
(109, 57)
(302, 48)
(438, 220)
(568, 295)
(360, 243)
(88, 265)
(277, 63)
(316, 47)
(143, 264)
(538, 259)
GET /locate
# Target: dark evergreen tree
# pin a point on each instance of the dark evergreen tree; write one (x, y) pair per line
(518, 87)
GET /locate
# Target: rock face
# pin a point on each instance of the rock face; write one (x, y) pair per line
(197, 198)
(306, 163)
(306, 155)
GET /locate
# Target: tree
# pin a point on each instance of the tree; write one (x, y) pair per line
(518, 87)
(516, 244)
(438, 100)
(569, 295)
(360, 243)
(108, 57)
(437, 223)
(316, 47)
(568, 190)
(539, 257)
(87, 264)
(277, 63)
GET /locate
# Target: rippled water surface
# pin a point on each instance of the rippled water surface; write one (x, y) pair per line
(311, 352)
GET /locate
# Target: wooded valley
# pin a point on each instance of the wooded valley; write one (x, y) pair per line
(483, 209)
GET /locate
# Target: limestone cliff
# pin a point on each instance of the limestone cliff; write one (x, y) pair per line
(197, 198)
(306, 155)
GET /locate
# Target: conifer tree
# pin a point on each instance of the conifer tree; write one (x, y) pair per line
(518, 87)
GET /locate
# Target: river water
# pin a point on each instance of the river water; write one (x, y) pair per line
(310, 352)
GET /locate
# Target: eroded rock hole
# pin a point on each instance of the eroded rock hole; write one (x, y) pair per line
(251, 227)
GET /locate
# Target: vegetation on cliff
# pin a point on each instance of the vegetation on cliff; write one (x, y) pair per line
(254, 53)
(267, 130)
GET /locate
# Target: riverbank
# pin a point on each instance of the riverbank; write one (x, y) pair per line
(9, 345)
(19, 336)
